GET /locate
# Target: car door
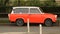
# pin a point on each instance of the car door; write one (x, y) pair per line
(35, 15)
(21, 13)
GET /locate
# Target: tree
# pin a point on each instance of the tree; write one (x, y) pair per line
(33, 3)
(49, 3)
(18, 2)
(6, 1)
(15, 3)
(3, 2)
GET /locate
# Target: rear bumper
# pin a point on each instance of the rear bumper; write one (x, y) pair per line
(11, 21)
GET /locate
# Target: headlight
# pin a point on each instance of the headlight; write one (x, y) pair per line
(55, 16)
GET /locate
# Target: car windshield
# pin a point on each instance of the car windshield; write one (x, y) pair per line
(41, 10)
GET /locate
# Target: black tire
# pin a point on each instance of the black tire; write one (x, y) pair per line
(48, 22)
(19, 22)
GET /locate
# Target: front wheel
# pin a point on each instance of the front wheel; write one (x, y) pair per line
(48, 22)
(19, 22)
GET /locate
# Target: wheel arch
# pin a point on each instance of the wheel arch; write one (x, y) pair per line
(19, 18)
(48, 19)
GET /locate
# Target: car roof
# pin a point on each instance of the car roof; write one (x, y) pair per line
(25, 7)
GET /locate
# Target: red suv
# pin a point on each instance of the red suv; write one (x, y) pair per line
(19, 16)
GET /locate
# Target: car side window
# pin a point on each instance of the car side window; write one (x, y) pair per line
(21, 10)
(34, 10)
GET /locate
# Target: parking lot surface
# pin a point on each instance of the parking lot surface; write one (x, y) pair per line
(34, 29)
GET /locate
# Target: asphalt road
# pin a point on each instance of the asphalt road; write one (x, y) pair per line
(34, 29)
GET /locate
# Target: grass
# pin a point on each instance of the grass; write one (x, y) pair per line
(4, 21)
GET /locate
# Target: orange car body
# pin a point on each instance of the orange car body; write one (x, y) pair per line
(33, 18)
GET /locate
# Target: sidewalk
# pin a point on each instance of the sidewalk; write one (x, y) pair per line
(20, 33)
(29, 33)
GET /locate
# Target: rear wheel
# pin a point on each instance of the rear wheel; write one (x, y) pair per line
(19, 22)
(48, 22)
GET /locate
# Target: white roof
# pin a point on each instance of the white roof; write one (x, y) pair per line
(25, 7)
